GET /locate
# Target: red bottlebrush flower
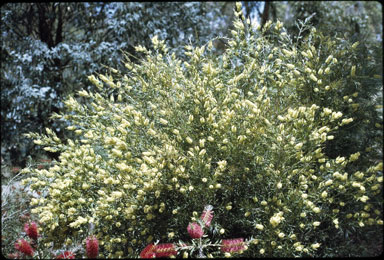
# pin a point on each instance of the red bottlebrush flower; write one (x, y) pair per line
(92, 247)
(165, 250)
(148, 251)
(31, 230)
(24, 247)
(195, 230)
(207, 215)
(233, 245)
(66, 255)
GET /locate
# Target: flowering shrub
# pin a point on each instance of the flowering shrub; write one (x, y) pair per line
(167, 136)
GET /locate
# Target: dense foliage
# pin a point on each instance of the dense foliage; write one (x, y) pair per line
(359, 92)
(244, 131)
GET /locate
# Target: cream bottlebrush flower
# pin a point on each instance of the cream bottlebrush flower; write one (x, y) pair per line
(290, 66)
(336, 221)
(324, 194)
(364, 198)
(298, 146)
(313, 77)
(189, 140)
(329, 59)
(276, 219)
(163, 121)
(346, 121)
(259, 226)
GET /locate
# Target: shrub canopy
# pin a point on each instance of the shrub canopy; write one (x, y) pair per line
(168, 136)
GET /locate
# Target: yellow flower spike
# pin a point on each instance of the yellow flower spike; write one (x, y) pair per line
(38, 142)
(163, 121)
(329, 59)
(291, 66)
(189, 140)
(287, 53)
(259, 226)
(355, 45)
(309, 54)
(313, 77)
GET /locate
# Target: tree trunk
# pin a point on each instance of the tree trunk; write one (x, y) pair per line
(59, 30)
(273, 11)
(265, 14)
(44, 27)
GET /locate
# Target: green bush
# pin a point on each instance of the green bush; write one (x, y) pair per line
(168, 137)
(345, 77)
(358, 96)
